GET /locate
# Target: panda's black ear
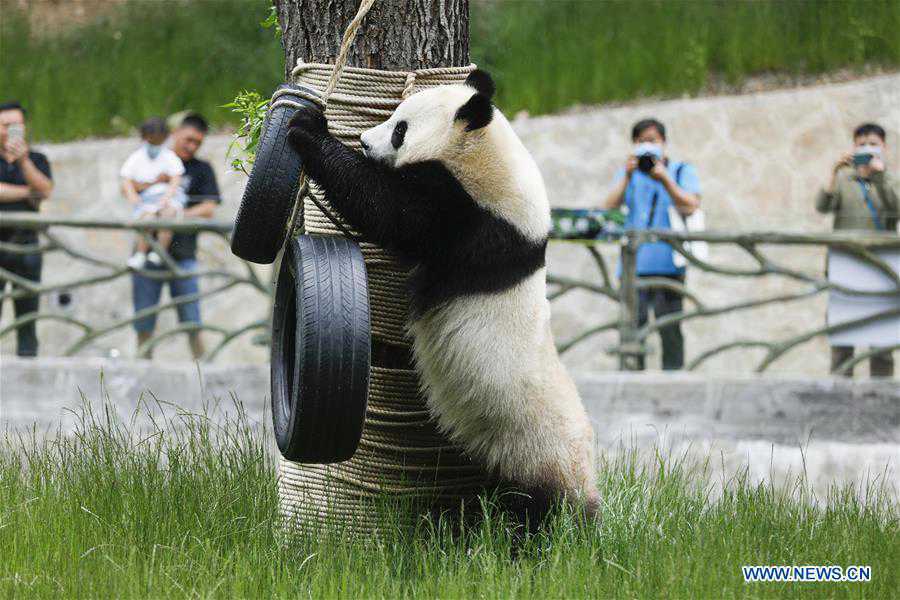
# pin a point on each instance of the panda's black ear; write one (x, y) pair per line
(477, 112)
(482, 82)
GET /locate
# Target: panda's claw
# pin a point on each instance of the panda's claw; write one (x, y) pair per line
(308, 121)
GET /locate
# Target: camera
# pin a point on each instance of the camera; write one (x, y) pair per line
(864, 153)
(15, 131)
(647, 154)
(862, 158)
(646, 162)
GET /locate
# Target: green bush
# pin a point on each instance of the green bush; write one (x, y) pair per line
(148, 57)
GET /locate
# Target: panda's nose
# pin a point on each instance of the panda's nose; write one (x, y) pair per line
(364, 145)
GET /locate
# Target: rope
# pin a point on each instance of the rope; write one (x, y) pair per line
(344, 52)
(402, 454)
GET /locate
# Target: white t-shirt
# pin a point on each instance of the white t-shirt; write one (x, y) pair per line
(141, 168)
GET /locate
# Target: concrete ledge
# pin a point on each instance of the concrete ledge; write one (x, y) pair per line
(781, 410)
(42, 392)
(773, 428)
(778, 409)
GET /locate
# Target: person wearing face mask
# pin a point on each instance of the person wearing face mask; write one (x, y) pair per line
(649, 185)
(151, 179)
(25, 182)
(863, 196)
(202, 196)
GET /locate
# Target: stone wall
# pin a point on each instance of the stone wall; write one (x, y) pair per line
(761, 158)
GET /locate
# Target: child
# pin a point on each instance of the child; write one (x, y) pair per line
(151, 179)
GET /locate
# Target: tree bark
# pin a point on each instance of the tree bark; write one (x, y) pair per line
(395, 35)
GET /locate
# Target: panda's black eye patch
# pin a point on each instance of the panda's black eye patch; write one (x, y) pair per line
(399, 134)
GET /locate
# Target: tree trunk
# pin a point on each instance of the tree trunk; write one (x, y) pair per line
(395, 35)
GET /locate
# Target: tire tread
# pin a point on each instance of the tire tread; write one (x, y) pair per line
(333, 346)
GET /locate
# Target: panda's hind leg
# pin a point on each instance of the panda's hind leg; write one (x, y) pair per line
(535, 506)
(567, 479)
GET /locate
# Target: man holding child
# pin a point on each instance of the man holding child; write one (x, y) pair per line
(196, 197)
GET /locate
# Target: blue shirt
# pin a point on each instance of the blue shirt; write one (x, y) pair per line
(655, 258)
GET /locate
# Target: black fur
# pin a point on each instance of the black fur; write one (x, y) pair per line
(399, 134)
(477, 112)
(422, 211)
(482, 82)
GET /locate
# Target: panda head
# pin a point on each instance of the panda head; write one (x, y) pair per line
(433, 124)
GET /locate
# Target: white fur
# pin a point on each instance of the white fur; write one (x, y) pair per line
(495, 383)
(488, 361)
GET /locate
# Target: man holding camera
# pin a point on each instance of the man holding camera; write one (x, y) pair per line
(863, 197)
(25, 181)
(649, 185)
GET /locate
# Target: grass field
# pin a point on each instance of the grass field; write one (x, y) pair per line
(192, 511)
(151, 57)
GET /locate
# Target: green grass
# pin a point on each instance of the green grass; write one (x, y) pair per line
(149, 57)
(192, 511)
(142, 59)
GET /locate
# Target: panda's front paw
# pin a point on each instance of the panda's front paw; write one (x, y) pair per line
(307, 124)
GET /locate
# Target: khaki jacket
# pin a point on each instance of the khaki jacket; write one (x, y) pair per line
(848, 203)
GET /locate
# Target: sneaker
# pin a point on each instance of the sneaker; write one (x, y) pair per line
(137, 260)
(154, 259)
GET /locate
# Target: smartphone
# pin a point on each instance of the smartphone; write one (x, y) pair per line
(15, 131)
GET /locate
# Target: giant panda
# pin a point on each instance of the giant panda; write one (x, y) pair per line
(446, 183)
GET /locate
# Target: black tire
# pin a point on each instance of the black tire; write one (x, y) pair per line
(260, 225)
(320, 349)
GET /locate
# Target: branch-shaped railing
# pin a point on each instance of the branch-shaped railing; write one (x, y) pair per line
(215, 281)
(620, 290)
(865, 247)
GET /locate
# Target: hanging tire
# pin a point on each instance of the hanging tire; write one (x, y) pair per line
(320, 350)
(260, 225)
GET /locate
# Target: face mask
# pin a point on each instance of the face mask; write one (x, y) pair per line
(648, 148)
(153, 150)
(867, 149)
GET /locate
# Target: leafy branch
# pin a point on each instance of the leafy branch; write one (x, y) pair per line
(272, 21)
(252, 107)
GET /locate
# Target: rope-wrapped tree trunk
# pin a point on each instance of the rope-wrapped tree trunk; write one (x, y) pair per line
(410, 44)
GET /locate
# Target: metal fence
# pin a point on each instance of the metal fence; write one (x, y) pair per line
(622, 290)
